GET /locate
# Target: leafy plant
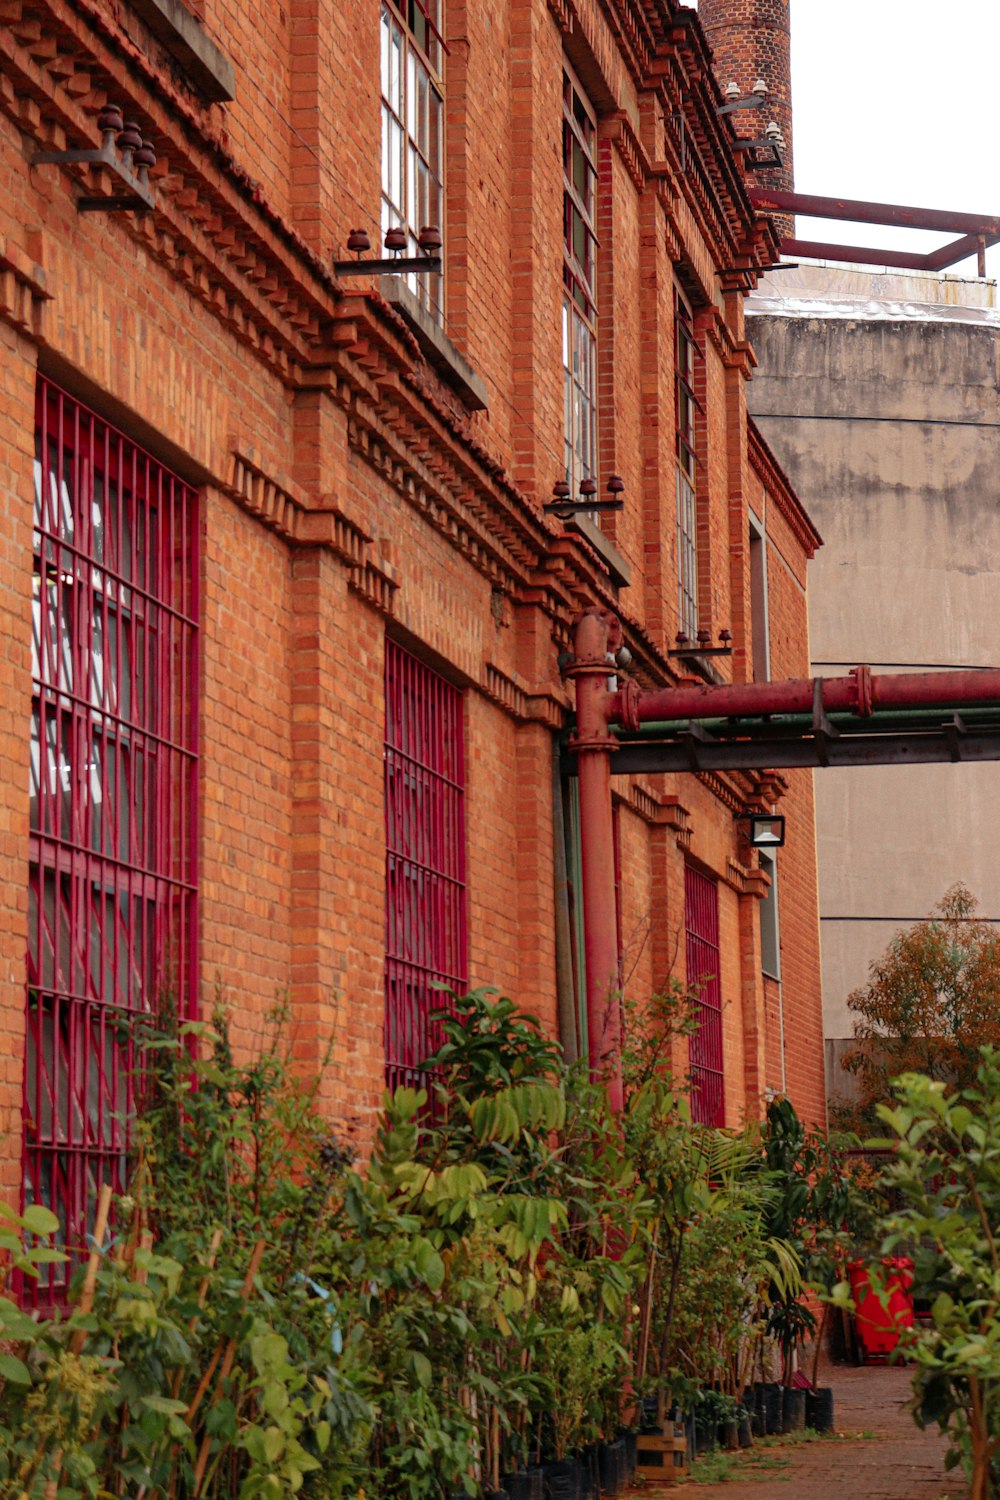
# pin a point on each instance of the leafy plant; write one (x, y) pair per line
(946, 1169)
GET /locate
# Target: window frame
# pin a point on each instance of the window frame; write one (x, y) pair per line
(399, 207)
(770, 920)
(760, 620)
(703, 960)
(687, 412)
(426, 922)
(113, 757)
(579, 314)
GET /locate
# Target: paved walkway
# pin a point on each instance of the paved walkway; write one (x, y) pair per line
(896, 1462)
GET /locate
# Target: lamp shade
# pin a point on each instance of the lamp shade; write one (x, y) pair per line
(767, 830)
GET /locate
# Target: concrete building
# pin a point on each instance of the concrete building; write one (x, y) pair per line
(280, 601)
(881, 394)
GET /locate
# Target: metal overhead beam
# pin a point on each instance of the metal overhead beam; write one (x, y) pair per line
(699, 752)
(977, 232)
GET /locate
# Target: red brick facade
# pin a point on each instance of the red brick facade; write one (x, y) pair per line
(353, 489)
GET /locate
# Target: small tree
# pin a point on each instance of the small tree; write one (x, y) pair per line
(929, 1005)
(945, 1170)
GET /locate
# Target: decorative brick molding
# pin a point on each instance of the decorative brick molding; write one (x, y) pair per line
(747, 880)
(672, 814)
(23, 292)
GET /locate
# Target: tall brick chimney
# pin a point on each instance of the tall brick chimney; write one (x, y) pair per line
(752, 39)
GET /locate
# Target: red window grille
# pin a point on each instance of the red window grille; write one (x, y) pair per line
(616, 845)
(113, 798)
(701, 929)
(425, 858)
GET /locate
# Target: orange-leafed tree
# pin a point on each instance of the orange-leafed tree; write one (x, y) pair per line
(931, 1001)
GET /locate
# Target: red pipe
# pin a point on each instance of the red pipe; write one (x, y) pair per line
(593, 744)
(860, 693)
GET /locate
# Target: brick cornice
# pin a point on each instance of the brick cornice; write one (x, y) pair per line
(779, 489)
(23, 291)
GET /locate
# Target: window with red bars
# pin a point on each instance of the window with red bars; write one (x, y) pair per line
(113, 770)
(686, 416)
(616, 845)
(425, 858)
(701, 931)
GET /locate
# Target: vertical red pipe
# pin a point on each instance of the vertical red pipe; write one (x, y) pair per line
(593, 744)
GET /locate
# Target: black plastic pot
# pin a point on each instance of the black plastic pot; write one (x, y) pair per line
(590, 1472)
(793, 1410)
(819, 1409)
(561, 1480)
(518, 1485)
(630, 1442)
(729, 1434)
(744, 1429)
(706, 1434)
(612, 1466)
(772, 1407)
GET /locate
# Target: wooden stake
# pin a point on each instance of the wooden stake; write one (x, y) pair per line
(227, 1363)
(93, 1264)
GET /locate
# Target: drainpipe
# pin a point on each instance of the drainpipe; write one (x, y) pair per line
(595, 634)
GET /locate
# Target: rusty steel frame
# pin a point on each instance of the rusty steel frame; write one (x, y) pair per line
(977, 232)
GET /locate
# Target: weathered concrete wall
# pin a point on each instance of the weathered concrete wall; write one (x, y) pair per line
(887, 424)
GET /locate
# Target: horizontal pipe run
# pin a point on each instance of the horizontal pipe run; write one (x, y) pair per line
(774, 725)
(859, 693)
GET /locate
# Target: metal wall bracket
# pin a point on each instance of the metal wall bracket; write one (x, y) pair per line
(117, 159)
(391, 265)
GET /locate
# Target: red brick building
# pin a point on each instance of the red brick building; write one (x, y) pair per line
(280, 604)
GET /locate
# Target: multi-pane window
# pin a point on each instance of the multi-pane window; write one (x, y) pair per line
(113, 783)
(413, 129)
(701, 931)
(770, 943)
(579, 317)
(685, 353)
(759, 623)
(425, 858)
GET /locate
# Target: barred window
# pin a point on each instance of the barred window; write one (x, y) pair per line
(113, 786)
(579, 314)
(686, 424)
(701, 930)
(425, 858)
(413, 130)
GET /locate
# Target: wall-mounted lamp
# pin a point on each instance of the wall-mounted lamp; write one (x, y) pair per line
(565, 507)
(396, 263)
(766, 831)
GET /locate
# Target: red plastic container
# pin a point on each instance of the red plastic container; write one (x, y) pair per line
(879, 1323)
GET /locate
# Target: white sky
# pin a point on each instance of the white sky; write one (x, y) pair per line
(897, 101)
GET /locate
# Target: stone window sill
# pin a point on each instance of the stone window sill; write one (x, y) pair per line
(621, 573)
(436, 345)
(207, 67)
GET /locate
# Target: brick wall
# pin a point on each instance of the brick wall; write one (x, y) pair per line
(350, 493)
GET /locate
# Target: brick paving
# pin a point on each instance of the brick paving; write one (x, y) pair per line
(899, 1462)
